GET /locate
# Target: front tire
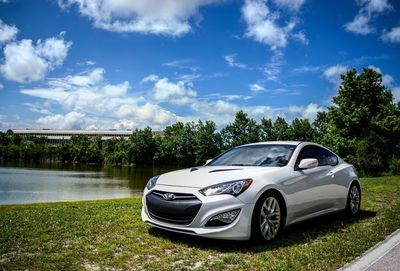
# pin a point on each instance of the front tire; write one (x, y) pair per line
(268, 218)
(353, 200)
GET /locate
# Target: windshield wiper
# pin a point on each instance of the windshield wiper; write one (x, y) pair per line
(241, 165)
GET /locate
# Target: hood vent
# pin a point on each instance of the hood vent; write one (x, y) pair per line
(224, 169)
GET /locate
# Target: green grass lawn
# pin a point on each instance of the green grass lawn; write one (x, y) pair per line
(109, 234)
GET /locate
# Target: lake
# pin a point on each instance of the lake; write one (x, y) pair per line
(32, 183)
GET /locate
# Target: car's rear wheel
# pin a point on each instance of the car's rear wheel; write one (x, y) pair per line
(267, 220)
(353, 200)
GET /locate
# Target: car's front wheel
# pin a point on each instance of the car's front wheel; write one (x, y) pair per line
(353, 200)
(267, 220)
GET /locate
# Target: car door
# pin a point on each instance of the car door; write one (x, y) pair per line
(339, 181)
(310, 190)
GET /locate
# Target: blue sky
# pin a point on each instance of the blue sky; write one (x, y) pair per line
(126, 64)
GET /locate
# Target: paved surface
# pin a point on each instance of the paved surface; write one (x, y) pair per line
(389, 262)
(385, 256)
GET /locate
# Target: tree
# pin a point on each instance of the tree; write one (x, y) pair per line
(176, 145)
(120, 153)
(281, 129)
(267, 130)
(302, 130)
(94, 153)
(320, 125)
(63, 151)
(109, 147)
(363, 125)
(207, 142)
(142, 146)
(79, 148)
(241, 131)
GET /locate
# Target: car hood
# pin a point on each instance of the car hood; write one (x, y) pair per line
(200, 177)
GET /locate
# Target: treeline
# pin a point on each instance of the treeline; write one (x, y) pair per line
(362, 126)
(180, 144)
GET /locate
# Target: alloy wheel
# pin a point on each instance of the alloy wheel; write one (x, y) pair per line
(354, 199)
(270, 218)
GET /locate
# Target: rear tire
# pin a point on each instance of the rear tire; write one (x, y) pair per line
(268, 218)
(353, 199)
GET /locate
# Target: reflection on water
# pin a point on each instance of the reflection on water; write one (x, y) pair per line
(29, 183)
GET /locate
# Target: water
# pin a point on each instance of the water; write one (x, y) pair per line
(32, 183)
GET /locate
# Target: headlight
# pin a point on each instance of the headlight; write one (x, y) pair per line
(152, 182)
(233, 188)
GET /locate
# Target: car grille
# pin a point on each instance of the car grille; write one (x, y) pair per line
(181, 210)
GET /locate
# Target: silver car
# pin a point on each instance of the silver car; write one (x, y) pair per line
(252, 191)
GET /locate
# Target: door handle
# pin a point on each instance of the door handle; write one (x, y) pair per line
(332, 174)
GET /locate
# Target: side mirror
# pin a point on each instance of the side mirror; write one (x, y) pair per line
(208, 161)
(308, 163)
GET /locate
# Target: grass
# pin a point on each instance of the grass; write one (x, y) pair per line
(109, 234)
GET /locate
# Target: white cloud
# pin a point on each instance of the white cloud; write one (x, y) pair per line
(387, 80)
(230, 59)
(27, 62)
(86, 79)
(283, 91)
(149, 114)
(90, 62)
(369, 9)
(293, 5)
(22, 63)
(392, 36)
(181, 64)
(309, 111)
(303, 69)
(301, 37)
(103, 105)
(88, 92)
(86, 63)
(71, 120)
(273, 68)
(7, 32)
(262, 24)
(223, 112)
(332, 74)
(218, 107)
(179, 93)
(162, 17)
(150, 78)
(40, 108)
(232, 97)
(375, 5)
(88, 101)
(189, 77)
(54, 50)
(229, 97)
(256, 87)
(360, 25)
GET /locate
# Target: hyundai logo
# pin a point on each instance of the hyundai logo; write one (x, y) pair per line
(169, 196)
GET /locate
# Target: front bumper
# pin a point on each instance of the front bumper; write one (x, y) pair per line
(239, 229)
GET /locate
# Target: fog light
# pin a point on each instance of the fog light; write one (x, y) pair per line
(223, 218)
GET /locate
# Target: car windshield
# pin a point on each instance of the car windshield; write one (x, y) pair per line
(256, 155)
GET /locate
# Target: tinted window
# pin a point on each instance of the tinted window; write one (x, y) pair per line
(256, 155)
(323, 156)
(331, 158)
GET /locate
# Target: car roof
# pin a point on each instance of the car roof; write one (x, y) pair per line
(295, 143)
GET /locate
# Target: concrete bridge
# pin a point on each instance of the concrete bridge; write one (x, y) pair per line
(55, 136)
